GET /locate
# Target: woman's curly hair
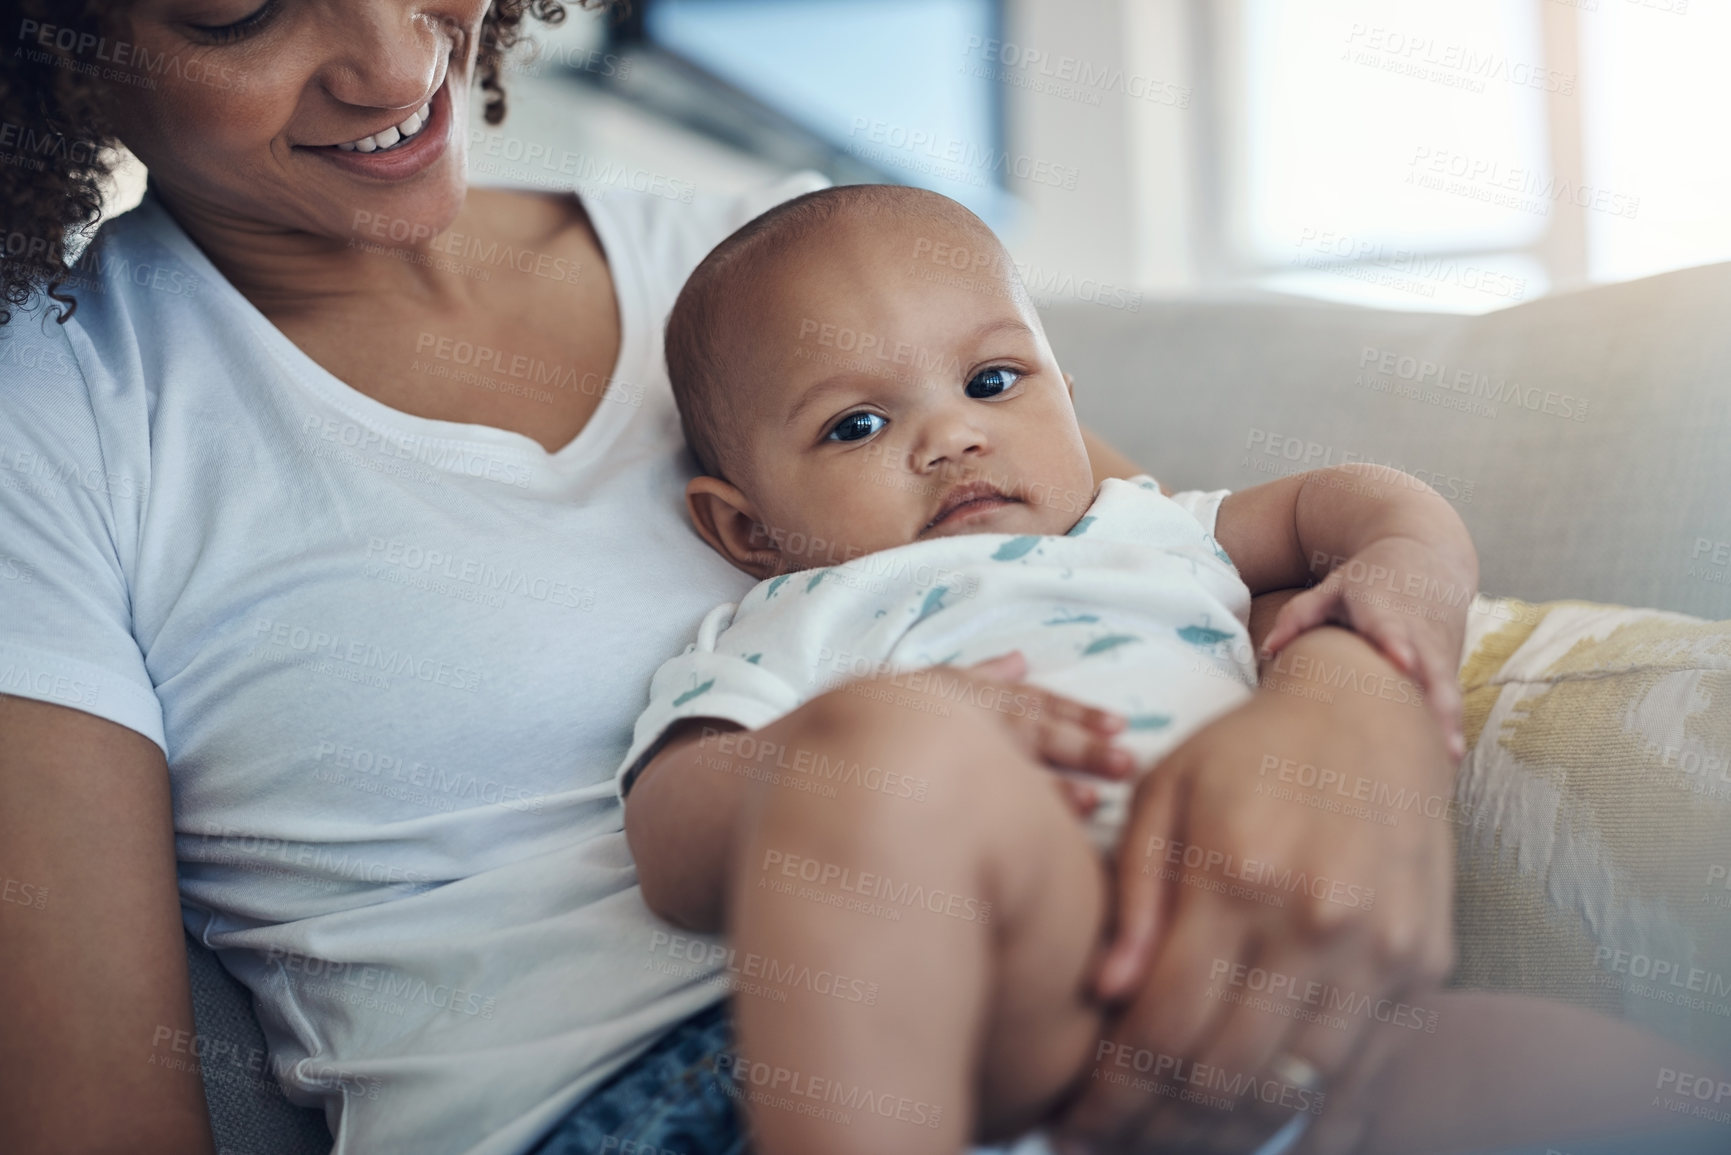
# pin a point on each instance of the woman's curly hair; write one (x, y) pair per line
(57, 149)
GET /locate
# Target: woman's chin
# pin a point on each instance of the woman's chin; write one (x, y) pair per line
(400, 218)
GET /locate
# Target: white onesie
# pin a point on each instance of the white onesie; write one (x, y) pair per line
(1137, 609)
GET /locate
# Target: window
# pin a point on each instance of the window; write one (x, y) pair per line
(881, 81)
(1461, 154)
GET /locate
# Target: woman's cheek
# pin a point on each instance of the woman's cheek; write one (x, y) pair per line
(210, 116)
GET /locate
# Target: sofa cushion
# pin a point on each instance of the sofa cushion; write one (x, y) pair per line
(1593, 813)
(249, 1114)
(1583, 437)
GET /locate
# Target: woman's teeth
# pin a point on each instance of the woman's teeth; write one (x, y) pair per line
(393, 136)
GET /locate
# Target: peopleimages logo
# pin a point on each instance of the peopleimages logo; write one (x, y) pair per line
(1070, 77)
(1167, 1072)
(88, 54)
(966, 161)
(898, 895)
(1520, 187)
(771, 1085)
(705, 954)
(436, 453)
(1464, 66)
(1473, 384)
(1663, 971)
(1265, 876)
(1361, 258)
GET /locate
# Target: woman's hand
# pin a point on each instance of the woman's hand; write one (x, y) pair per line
(1279, 867)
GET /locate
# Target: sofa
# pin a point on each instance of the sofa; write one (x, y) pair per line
(1585, 439)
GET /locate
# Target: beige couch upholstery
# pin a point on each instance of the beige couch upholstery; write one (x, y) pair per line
(1585, 438)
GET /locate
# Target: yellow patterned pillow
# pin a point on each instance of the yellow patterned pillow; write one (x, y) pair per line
(1594, 812)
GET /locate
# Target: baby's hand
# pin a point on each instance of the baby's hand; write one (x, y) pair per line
(1062, 733)
(1410, 603)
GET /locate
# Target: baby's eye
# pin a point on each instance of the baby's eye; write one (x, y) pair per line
(855, 426)
(991, 382)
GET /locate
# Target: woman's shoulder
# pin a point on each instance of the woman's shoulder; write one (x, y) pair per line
(79, 385)
(132, 287)
(140, 254)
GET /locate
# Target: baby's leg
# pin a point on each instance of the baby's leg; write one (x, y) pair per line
(954, 931)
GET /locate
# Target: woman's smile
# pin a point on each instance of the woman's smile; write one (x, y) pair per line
(399, 150)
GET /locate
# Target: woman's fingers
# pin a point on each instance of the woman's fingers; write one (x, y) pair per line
(1143, 1062)
(1300, 1014)
(1351, 1097)
(1143, 888)
(1234, 1050)
(1294, 1018)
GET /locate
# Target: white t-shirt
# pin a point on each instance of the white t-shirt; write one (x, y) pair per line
(392, 661)
(1137, 609)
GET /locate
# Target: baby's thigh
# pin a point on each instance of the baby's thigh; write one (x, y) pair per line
(877, 779)
(1045, 1024)
(953, 810)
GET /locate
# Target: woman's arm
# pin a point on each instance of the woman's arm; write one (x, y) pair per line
(1106, 461)
(92, 958)
(1222, 866)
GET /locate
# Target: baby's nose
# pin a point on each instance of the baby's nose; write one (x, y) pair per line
(953, 441)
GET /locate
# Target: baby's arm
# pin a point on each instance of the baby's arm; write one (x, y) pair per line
(1393, 559)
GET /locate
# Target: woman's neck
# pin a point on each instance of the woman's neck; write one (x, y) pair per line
(287, 272)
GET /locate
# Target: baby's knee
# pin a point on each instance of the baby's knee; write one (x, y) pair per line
(947, 758)
(863, 770)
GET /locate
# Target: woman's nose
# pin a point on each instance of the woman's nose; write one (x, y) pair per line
(386, 53)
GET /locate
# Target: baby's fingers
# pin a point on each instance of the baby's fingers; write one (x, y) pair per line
(1010, 667)
(1422, 661)
(1067, 745)
(1081, 798)
(1069, 712)
(1391, 635)
(1443, 695)
(1043, 704)
(1312, 608)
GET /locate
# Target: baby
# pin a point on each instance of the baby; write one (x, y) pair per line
(891, 448)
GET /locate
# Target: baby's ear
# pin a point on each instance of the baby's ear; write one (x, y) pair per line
(724, 517)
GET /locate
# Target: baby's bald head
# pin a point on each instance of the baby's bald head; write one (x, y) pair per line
(726, 311)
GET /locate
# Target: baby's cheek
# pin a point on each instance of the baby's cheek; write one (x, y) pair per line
(1065, 492)
(849, 518)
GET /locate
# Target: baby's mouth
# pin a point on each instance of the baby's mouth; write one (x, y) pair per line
(965, 502)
